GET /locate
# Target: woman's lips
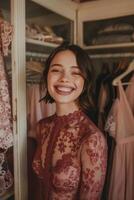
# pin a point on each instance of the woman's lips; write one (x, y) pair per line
(64, 90)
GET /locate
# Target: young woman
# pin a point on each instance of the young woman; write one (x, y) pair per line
(71, 155)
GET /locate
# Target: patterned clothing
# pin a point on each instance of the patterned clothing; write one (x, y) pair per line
(71, 158)
(6, 179)
(6, 136)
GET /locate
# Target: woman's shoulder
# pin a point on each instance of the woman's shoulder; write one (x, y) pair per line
(43, 126)
(46, 120)
(93, 136)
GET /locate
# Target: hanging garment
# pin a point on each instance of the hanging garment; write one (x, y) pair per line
(6, 136)
(120, 125)
(36, 110)
(130, 93)
(108, 94)
(71, 157)
(6, 179)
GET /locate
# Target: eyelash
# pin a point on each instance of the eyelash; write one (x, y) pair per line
(55, 70)
(73, 73)
(76, 73)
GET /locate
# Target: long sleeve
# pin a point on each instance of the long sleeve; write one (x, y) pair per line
(93, 161)
(37, 161)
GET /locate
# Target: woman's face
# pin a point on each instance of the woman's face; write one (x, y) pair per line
(64, 80)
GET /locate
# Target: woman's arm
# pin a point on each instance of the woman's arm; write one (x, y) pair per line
(37, 160)
(94, 162)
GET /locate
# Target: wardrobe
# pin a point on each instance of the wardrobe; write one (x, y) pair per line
(75, 22)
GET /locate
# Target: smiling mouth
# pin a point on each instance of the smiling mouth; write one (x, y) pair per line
(64, 90)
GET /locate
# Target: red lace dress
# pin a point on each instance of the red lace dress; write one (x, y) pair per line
(71, 158)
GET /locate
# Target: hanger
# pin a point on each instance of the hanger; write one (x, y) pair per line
(118, 78)
(35, 66)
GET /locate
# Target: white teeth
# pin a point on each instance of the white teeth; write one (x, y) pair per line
(64, 89)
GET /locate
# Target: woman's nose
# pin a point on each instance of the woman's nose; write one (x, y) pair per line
(65, 77)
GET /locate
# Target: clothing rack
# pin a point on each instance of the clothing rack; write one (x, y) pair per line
(38, 56)
(42, 57)
(34, 55)
(30, 79)
(33, 77)
(106, 55)
(93, 56)
(112, 55)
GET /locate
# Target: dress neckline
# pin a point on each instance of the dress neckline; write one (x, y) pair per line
(69, 117)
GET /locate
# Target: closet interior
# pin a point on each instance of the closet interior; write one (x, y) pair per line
(45, 30)
(38, 27)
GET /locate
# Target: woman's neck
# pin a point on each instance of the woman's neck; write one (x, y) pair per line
(65, 109)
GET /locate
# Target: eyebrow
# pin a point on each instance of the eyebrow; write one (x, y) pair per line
(60, 65)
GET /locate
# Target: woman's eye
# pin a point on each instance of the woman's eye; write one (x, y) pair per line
(55, 70)
(76, 73)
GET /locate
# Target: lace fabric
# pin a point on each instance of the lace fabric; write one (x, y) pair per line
(6, 31)
(70, 158)
(110, 125)
(6, 137)
(6, 179)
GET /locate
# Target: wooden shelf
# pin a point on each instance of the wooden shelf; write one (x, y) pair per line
(111, 48)
(38, 42)
(107, 46)
(47, 47)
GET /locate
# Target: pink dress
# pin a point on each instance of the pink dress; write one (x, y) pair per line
(71, 158)
(36, 110)
(130, 93)
(120, 125)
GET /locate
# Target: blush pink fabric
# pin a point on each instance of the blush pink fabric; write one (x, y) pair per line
(120, 125)
(36, 110)
(130, 93)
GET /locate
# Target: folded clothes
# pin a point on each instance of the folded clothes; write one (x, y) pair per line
(122, 27)
(110, 39)
(45, 34)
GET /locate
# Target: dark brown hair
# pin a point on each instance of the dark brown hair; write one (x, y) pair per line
(85, 65)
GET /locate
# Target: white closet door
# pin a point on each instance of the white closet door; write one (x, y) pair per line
(19, 99)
